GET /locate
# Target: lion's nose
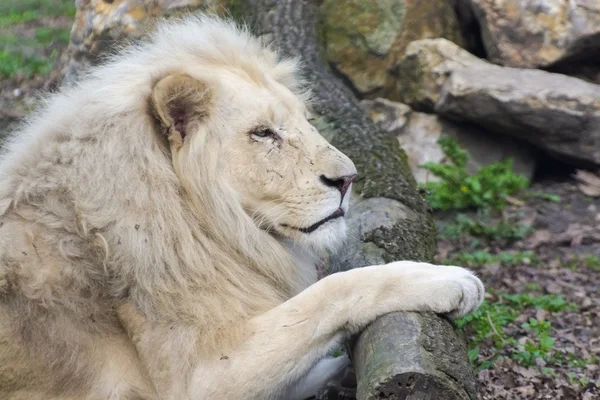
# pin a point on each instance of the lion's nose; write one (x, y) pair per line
(341, 183)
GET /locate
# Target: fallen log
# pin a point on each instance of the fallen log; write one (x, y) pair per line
(399, 356)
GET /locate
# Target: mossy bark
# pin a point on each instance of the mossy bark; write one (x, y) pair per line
(403, 355)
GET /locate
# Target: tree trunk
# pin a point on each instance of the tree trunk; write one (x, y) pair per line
(399, 356)
(402, 355)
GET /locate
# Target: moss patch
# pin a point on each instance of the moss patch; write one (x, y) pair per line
(365, 39)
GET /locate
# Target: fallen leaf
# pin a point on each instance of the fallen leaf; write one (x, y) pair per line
(538, 238)
(527, 372)
(526, 391)
(575, 234)
(589, 183)
(513, 201)
(443, 249)
(541, 314)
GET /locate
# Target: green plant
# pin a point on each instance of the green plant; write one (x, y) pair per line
(9, 64)
(547, 302)
(572, 263)
(532, 287)
(457, 189)
(592, 261)
(472, 259)
(542, 347)
(490, 323)
(480, 258)
(487, 323)
(576, 380)
(483, 226)
(519, 257)
(574, 361)
(576, 261)
(554, 198)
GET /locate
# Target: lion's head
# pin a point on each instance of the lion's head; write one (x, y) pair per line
(254, 123)
(186, 158)
(175, 176)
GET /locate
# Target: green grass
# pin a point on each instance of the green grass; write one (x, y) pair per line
(47, 35)
(31, 55)
(20, 11)
(12, 63)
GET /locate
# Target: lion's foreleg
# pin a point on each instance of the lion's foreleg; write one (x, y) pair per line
(285, 344)
(278, 357)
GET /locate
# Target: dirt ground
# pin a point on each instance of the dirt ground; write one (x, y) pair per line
(551, 274)
(562, 262)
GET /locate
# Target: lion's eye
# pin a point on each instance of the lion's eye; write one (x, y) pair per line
(263, 132)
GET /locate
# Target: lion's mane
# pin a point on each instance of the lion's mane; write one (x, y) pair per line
(94, 209)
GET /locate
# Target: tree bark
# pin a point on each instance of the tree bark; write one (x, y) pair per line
(402, 355)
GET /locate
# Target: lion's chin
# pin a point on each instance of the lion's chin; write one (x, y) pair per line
(329, 236)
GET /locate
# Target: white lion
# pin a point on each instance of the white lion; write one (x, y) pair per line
(157, 226)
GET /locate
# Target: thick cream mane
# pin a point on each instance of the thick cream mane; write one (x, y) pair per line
(90, 179)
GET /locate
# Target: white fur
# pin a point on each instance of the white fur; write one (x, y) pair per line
(145, 258)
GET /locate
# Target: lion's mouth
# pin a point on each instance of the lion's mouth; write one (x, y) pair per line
(337, 214)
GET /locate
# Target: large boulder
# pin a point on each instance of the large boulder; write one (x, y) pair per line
(530, 34)
(557, 113)
(418, 134)
(364, 39)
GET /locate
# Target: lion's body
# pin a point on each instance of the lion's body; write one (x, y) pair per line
(131, 270)
(91, 213)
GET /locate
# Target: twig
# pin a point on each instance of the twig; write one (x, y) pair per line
(489, 318)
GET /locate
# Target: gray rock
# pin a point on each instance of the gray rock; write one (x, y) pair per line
(529, 34)
(556, 113)
(418, 134)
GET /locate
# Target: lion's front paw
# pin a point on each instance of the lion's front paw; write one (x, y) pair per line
(443, 289)
(464, 289)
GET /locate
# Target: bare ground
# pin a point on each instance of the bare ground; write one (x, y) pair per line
(565, 246)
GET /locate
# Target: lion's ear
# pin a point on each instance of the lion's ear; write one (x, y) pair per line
(178, 103)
